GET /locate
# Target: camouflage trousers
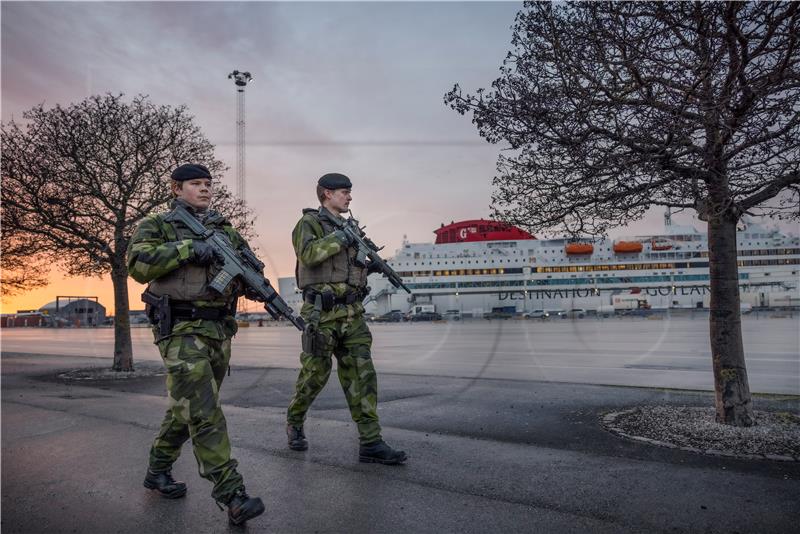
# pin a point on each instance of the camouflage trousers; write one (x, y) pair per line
(196, 366)
(350, 341)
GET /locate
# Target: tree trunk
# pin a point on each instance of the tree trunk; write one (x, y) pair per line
(123, 348)
(733, 403)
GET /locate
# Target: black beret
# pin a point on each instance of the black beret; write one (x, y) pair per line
(190, 171)
(334, 180)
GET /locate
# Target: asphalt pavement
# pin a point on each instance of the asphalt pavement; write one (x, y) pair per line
(666, 351)
(485, 455)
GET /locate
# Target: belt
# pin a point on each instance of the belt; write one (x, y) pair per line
(329, 301)
(182, 313)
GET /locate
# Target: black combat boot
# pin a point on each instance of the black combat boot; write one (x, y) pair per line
(297, 439)
(379, 452)
(164, 484)
(242, 507)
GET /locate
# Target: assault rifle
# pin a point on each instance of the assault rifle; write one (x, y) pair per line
(242, 264)
(366, 248)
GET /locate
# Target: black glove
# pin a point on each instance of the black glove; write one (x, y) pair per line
(373, 267)
(343, 238)
(205, 254)
(252, 294)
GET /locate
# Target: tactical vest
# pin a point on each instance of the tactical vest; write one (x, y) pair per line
(189, 281)
(338, 268)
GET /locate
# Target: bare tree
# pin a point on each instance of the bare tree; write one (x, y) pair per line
(78, 179)
(21, 261)
(609, 109)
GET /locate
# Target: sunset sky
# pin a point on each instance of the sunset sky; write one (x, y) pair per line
(355, 88)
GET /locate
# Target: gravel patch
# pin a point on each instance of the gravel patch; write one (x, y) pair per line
(775, 437)
(141, 370)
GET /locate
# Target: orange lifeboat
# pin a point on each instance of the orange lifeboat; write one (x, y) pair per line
(660, 245)
(579, 248)
(622, 247)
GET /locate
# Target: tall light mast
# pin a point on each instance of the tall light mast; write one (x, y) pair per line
(241, 79)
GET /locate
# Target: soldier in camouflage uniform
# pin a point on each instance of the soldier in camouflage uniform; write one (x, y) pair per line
(333, 288)
(196, 346)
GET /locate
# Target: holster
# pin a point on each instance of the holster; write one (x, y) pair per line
(158, 312)
(312, 340)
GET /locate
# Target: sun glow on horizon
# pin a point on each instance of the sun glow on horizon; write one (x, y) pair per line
(60, 285)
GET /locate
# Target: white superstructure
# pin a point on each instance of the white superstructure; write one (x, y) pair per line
(480, 271)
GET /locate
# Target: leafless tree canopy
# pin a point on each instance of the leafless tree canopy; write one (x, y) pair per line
(77, 180)
(610, 108)
(21, 259)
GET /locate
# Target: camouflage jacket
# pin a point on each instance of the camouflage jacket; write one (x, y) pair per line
(153, 252)
(312, 246)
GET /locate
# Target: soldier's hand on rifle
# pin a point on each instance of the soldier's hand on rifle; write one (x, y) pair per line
(205, 253)
(343, 238)
(373, 267)
(252, 294)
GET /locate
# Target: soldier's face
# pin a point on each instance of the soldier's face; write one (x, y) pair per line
(339, 200)
(196, 192)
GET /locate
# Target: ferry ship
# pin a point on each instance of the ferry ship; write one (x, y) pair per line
(479, 267)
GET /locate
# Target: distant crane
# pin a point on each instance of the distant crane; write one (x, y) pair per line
(241, 79)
